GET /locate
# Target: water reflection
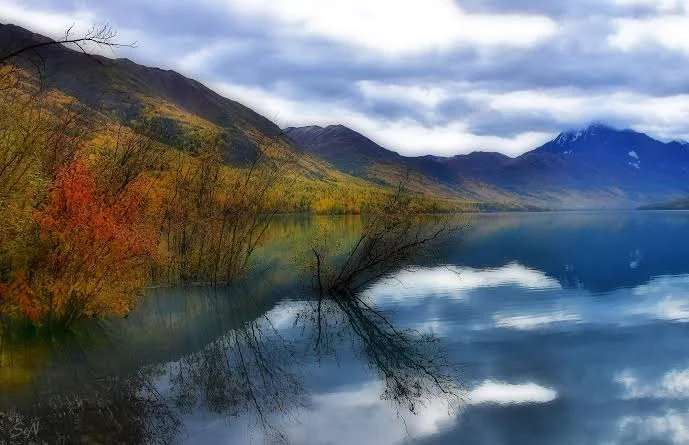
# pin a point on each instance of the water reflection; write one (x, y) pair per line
(249, 371)
(219, 354)
(412, 366)
(566, 328)
(599, 251)
(78, 399)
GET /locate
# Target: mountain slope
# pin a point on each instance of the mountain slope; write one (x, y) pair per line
(344, 148)
(622, 168)
(187, 113)
(355, 154)
(130, 90)
(93, 78)
(590, 168)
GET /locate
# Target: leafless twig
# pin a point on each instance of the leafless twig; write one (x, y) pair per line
(102, 36)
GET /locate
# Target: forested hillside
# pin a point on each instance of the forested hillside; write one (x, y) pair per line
(114, 175)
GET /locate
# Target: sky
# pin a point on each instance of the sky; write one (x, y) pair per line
(440, 77)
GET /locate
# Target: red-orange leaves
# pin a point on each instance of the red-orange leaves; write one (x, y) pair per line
(97, 250)
(20, 295)
(80, 216)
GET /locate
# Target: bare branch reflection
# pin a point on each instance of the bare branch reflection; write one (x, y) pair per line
(248, 371)
(413, 366)
(220, 351)
(86, 405)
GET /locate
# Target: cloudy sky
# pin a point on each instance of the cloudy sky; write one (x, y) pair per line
(417, 76)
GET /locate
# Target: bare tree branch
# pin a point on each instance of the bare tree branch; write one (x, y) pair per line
(102, 36)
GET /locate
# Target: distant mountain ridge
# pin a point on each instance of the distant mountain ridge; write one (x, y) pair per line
(595, 167)
(677, 204)
(185, 115)
(346, 149)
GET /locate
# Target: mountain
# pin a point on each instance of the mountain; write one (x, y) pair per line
(344, 148)
(621, 168)
(677, 204)
(595, 167)
(119, 91)
(130, 90)
(625, 153)
(355, 154)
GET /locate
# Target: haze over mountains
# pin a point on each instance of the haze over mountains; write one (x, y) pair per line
(596, 167)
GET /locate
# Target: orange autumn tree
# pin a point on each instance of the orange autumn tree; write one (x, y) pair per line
(97, 250)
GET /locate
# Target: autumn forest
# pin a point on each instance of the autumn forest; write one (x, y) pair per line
(344, 222)
(100, 197)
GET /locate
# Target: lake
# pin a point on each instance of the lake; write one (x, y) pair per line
(542, 328)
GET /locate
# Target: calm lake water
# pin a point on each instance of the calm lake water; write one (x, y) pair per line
(561, 328)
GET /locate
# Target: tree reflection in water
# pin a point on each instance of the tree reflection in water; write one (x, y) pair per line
(413, 366)
(252, 371)
(249, 371)
(85, 405)
(240, 366)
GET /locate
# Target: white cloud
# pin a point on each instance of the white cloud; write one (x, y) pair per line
(511, 394)
(412, 138)
(671, 309)
(283, 315)
(660, 5)
(406, 136)
(359, 414)
(49, 23)
(663, 298)
(458, 282)
(662, 115)
(513, 274)
(582, 106)
(672, 385)
(432, 326)
(534, 321)
(396, 27)
(402, 28)
(669, 27)
(78, 21)
(671, 426)
(428, 96)
(670, 31)
(201, 58)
